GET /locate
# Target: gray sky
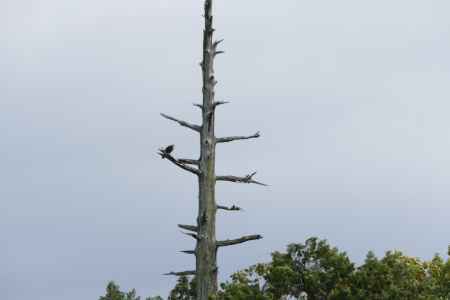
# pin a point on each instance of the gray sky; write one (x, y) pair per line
(351, 97)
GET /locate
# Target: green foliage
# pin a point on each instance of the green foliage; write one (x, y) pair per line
(324, 273)
(314, 267)
(394, 277)
(184, 289)
(113, 292)
(397, 276)
(320, 269)
(244, 285)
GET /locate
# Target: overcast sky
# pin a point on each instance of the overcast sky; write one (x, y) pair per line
(351, 98)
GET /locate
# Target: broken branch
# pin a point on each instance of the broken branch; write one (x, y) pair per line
(178, 163)
(183, 123)
(236, 138)
(217, 43)
(190, 234)
(183, 273)
(239, 240)
(186, 161)
(218, 52)
(188, 252)
(188, 227)
(232, 208)
(245, 179)
(198, 105)
(217, 103)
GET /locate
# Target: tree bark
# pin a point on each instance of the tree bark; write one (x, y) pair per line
(206, 250)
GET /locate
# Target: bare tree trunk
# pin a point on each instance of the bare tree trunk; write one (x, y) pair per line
(206, 245)
(205, 230)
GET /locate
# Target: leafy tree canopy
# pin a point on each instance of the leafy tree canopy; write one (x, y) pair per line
(323, 272)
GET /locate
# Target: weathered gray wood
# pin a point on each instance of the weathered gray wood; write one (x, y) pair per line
(217, 43)
(187, 161)
(231, 208)
(239, 240)
(182, 123)
(176, 162)
(195, 236)
(198, 105)
(217, 103)
(206, 250)
(188, 227)
(245, 179)
(183, 273)
(237, 138)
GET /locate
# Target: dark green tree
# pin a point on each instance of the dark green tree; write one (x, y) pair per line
(313, 267)
(113, 292)
(397, 276)
(185, 289)
(323, 272)
(316, 268)
(244, 285)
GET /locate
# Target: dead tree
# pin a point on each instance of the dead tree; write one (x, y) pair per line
(204, 232)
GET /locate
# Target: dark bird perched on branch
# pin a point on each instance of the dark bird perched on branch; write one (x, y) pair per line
(166, 151)
(169, 149)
